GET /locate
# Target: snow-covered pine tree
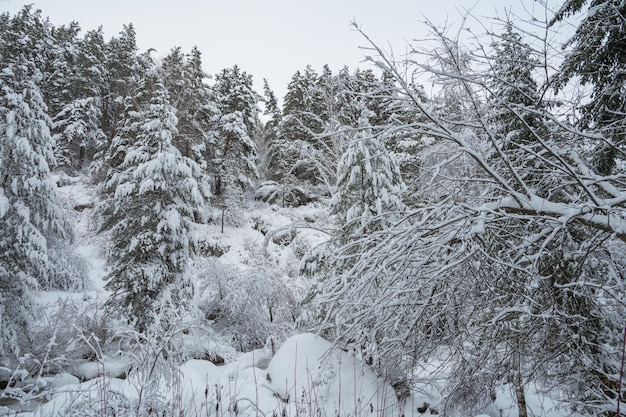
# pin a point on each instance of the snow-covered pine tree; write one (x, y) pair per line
(369, 186)
(78, 133)
(597, 57)
(492, 257)
(26, 35)
(77, 114)
(28, 209)
(303, 107)
(119, 76)
(395, 115)
(504, 345)
(193, 100)
(367, 201)
(515, 92)
(236, 154)
(109, 160)
(267, 142)
(151, 217)
(93, 78)
(60, 73)
(352, 94)
(124, 74)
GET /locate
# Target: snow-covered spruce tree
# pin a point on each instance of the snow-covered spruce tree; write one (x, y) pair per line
(499, 256)
(236, 154)
(150, 217)
(119, 79)
(368, 192)
(93, 77)
(517, 110)
(124, 70)
(344, 97)
(61, 68)
(301, 122)
(318, 112)
(77, 114)
(193, 100)
(267, 144)
(395, 116)
(502, 349)
(28, 210)
(367, 199)
(596, 55)
(78, 133)
(513, 88)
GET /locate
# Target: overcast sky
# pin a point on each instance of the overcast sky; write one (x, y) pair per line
(268, 38)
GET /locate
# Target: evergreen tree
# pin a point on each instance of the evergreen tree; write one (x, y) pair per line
(78, 134)
(597, 57)
(110, 160)
(25, 39)
(94, 77)
(193, 99)
(28, 210)
(118, 77)
(150, 217)
(302, 121)
(369, 186)
(303, 107)
(515, 104)
(267, 144)
(514, 90)
(353, 93)
(499, 277)
(124, 73)
(61, 71)
(396, 118)
(503, 348)
(271, 103)
(75, 89)
(236, 154)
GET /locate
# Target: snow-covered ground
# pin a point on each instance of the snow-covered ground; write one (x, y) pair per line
(305, 376)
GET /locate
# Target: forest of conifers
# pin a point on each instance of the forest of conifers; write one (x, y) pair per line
(481, 227)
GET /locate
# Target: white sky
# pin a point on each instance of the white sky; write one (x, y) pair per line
(268, 38)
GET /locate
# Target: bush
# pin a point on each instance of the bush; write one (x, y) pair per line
(68, 271)
(249, 306)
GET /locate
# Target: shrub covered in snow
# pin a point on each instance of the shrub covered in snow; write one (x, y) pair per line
(248, 305)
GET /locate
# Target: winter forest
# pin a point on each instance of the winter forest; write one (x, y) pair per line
(175, 243)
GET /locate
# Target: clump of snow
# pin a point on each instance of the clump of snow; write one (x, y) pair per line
(110, 365)
(308, 368)
(62, 382)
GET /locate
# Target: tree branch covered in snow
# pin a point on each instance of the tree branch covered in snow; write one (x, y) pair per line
(511, 253)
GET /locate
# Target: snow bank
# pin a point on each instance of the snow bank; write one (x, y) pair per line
(309, 370)
(306, 377)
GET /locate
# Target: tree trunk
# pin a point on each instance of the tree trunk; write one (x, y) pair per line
(521, 400)
(519, 387)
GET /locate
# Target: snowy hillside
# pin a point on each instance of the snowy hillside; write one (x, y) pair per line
(259, 259)
(89, 372)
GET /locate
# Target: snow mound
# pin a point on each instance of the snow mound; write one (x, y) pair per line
(307, 376)
(308, 369)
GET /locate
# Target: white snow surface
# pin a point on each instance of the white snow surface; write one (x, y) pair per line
(305, 376)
